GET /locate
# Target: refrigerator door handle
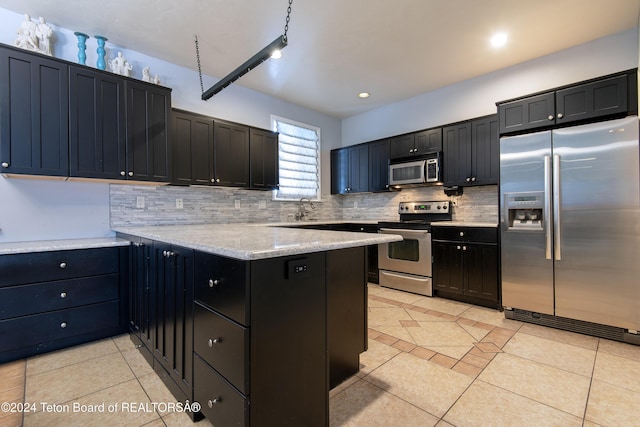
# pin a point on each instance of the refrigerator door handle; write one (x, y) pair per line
(547, 205)
(556, 208)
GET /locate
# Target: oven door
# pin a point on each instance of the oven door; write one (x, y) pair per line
(411, 255)
(407, 172)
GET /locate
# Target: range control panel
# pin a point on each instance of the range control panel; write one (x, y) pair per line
(424, 207)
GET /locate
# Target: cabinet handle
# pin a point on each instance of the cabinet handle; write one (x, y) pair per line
(560, 115)
(468, 179)
(464, 248)
(212, 402)
(218, 180)
(213, 180)
(473, 179)
(462, 234)
(123, 173)
(63, 265)
(213, 282)
(214, 341)
(130, 173)
(63, 295)
(63, 325)
(5, 164)
(458, 247)
(550, 117)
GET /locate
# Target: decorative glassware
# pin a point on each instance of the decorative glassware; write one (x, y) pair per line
(101, 52)
(82, 46)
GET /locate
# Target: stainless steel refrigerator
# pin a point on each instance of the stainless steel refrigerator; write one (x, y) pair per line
(570, 225)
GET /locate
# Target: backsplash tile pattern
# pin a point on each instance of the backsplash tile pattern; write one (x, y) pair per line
(203, 205)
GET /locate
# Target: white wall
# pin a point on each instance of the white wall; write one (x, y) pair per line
(40, 209)
(477, 97)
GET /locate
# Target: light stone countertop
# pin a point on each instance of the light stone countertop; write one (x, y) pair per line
(464, 224)
(60, 245)
(255, 241)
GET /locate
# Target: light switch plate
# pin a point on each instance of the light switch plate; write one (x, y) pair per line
(179, 204)
(237, 204)
(140, 202)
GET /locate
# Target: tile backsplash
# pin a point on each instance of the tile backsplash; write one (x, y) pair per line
(133, 205)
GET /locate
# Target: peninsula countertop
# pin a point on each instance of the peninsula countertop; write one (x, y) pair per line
(255, 241)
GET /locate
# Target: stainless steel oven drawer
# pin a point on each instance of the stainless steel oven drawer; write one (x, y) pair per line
(406, 282)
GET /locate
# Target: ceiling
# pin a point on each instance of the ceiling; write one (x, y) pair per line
(337, 48)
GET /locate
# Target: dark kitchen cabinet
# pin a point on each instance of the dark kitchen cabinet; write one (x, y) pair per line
(171, 293)
(141, 307)
(148, 142)
(472, 152)
(350, 169)
(416, 144)
(97, 125)
(34, 114)
(609, 96)
(192, 147)
(379, 165)
(466, 264)
(231, 154)
(263, 153)
(57, 299)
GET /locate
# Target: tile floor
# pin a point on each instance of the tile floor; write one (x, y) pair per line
(430, 362)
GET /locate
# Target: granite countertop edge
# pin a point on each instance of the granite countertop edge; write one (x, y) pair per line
(464, 224)
(60, 245)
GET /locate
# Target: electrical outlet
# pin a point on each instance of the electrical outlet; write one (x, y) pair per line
(140, 202)
(179, 204)
(237, 204)
(355, 204)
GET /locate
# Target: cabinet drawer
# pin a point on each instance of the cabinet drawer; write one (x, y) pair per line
(36, 267)
(35, 298)
(224, 345)
(465, 234)
(221, 403)
(222, 284)
(42, 328)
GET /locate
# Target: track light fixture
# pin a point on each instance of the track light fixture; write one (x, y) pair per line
(271, 50)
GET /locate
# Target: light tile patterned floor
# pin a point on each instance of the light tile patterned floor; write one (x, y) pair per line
(430, 362)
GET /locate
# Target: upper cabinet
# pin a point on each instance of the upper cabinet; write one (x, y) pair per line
(34, 114)
(610, 96)
(416, 144)
(379, 165)
(192, 144)
(263, 153)
(350, 169)
(231, 154)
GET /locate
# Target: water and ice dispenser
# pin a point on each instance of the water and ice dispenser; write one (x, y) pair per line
(524, 211)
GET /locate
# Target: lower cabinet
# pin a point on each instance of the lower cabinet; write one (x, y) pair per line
(466, 264)
(52, 300)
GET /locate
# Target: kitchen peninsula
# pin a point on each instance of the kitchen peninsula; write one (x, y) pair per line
(254, 322)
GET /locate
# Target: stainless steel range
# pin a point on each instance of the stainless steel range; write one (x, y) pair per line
(406, 265)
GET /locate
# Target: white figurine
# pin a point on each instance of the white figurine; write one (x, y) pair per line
(156, 80)
(27, 35)
(44, 32)
(146, 76)
(119, 65)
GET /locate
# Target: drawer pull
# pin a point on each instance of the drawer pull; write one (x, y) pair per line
(63, 294)
(214, 341)
(63, 325)
(213, 282)
(461, 233)
(212, 402)
(63, 265)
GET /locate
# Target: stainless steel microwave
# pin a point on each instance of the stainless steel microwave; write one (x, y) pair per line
(415, 171)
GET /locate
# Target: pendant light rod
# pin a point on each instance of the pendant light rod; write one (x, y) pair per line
(248, 65)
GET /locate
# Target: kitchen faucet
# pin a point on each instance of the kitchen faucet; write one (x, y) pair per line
(302, 211)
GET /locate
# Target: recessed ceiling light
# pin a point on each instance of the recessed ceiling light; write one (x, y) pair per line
(364, 95)
(499, 39)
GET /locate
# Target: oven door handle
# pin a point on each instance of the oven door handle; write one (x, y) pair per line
(404, 231)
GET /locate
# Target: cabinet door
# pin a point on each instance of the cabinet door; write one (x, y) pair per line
(428, 141)
(173, 281)
(231, 154)
(457, 153)
(97, 144)
(148, 146)
(263, 151)
(528, 113)
(447, 267)
(141, 308)
(601, 98)
(485, 151)
(402, 146)
(481, 271)
(379, 165)
(339, 171)
(192, 147)
(359, 169)
(34, 114)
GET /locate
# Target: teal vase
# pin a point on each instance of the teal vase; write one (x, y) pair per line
(101, 52)
(82, 47)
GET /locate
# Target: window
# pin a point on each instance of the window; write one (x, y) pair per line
(299, 160)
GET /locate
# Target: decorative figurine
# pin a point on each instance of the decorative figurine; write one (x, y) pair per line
(119, 65)
(34, 35)
(146, 76)
(82, 46)
(100, 64)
